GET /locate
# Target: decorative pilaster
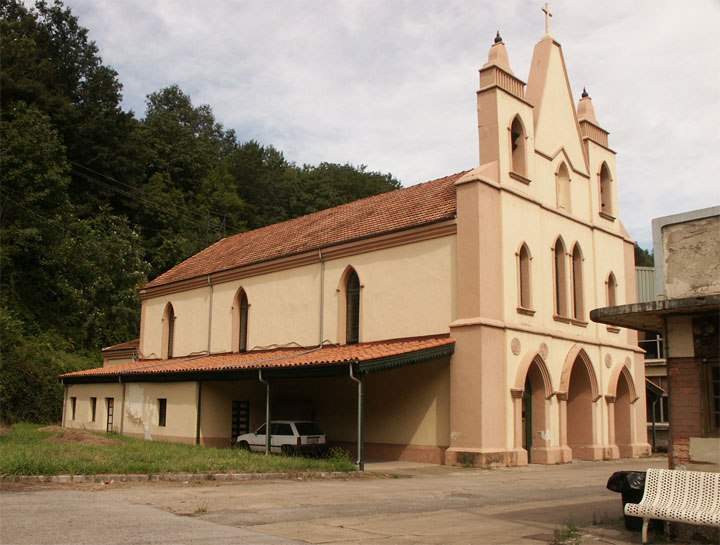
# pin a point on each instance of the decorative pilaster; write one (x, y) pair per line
(612, 452)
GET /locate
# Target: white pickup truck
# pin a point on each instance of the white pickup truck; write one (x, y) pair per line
(286, 437)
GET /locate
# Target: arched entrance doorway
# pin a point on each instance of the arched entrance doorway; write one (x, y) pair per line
(621, 414)
(623, 433)
(532, 394)
(579, 389)
(535, 424)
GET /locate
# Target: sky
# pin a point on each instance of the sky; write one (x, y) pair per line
(391, 84)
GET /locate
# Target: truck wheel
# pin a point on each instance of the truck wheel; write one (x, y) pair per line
(243, 445)
(286, 450)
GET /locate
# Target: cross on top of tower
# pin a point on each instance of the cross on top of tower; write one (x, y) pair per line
(548, 13)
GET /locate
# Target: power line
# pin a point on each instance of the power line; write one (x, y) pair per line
(133, 188)
(174, 212)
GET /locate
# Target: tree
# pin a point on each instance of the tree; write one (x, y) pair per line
(643, 257)
(94, 200)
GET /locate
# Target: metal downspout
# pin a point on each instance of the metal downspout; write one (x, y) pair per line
(360, 420)
(322, 298)
(122, 405)
(268, 436)
(198, 412)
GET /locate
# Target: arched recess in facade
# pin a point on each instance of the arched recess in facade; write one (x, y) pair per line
(621, 418)
(531, 395)
(577, 395)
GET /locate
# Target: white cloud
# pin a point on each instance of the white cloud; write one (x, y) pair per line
(392, 84)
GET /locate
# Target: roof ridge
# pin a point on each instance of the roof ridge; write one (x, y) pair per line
(345, 204)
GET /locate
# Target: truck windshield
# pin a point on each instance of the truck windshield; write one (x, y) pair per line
(308, 428)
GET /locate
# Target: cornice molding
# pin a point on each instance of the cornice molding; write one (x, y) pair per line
(540, 332)
(508, 93)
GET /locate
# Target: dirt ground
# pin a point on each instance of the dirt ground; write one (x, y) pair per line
(67, 435)
(396, 504)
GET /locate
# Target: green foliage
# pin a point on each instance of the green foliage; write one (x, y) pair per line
(29, 366)
(567, 535)
(94, 201)
(27, 449)
(643, 257)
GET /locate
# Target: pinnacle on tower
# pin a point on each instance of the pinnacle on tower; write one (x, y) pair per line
(498, 55)
(585, 108)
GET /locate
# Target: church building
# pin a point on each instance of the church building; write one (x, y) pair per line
(445, 322)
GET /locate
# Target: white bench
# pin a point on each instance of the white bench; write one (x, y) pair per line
(692, 497)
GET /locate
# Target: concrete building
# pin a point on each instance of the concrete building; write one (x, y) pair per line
(656, 381)
(686, 310)
(450, 317)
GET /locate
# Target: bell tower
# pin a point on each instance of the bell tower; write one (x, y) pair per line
(505, 122)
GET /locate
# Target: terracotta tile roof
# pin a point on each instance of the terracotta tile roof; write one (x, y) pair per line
(412, 206)
(271, 359)
(127, 345)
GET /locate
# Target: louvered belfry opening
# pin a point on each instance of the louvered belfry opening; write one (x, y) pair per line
(352, 305)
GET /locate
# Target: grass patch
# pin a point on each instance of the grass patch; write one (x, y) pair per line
(567, 535)
(29, 449)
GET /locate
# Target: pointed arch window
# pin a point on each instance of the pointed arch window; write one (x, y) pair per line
(577, 279)
(352, 307)
(560, 280)
(611, 290)
(605, 190)
(240, 320)
(518, 159)
(562, 187)
(168, 339)
(524, 287)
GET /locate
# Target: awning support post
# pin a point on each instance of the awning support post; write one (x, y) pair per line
(360, 420)
(268, 435)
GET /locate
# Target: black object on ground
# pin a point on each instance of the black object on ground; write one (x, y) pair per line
(631, 484)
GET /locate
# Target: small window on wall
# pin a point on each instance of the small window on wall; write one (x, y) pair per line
(73, 406)
(168, 322)
(560, 280)
(241, 309)
(577, 277)
(162, 412)
(524, 277)
(352, 308)
(93, 408)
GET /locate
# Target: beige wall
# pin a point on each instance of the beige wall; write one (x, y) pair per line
(399, 285)
(83, 393)
(137, 414)
(141, 410)
(405, 406)
(107, 362)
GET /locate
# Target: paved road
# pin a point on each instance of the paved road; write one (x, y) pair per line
(419, 504)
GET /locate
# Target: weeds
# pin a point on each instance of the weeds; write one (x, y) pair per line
(26, 449)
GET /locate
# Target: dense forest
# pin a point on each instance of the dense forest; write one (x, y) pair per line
(94, 199)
